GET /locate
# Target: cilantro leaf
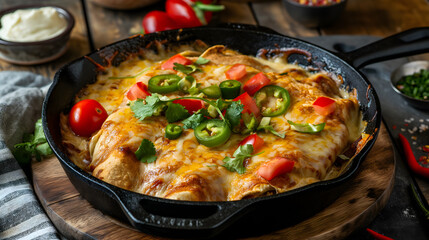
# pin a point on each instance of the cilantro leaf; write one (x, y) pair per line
(235, 164)
(186, 69)
(193, 121)
(146, 153)
(34, 145)
(176, 112)
(233, 113)
(151, 106)
(221, 104)
(201, 61)
(196, 119)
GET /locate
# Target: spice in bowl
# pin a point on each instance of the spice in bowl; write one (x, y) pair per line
(415, 85)
(317, 2)
(30, 25)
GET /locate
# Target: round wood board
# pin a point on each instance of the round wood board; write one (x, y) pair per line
(368, 193)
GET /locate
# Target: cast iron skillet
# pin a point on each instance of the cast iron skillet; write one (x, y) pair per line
(207, 219)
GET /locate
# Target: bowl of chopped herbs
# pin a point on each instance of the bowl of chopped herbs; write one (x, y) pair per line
(411, 81)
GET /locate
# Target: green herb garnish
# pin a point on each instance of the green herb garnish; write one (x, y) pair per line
(265, 125)
(201, 61)
(195, 119)
(307, 127)
(34, 145)
(186, 69)
(146, 153)
(415, 85)
(176, 112)
(233, 113)
(151, 106)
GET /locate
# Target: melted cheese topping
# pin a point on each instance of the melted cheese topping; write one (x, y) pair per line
(186, 170)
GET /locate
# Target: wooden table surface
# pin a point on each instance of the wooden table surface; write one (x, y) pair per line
(97, 26)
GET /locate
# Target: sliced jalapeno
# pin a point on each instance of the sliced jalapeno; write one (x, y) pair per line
(212, 132)
(230, 89)
(164, 83)
(173, 131)
(272, 100)
(186, 83)
(307, 127)
(212, 92)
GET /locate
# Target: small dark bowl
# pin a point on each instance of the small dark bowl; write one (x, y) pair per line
(314, 16)
(405, 70)
(30, 53)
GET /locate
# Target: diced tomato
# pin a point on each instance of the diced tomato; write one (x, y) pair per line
(236, 72)
(255, 83)
(324, 106)
(275, 167)
(249, 104)
(138, 90)
(255, 140)
(192, 105)
(169, 64)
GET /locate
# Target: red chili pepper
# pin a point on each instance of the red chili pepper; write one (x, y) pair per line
(411, 159)
(377, 235)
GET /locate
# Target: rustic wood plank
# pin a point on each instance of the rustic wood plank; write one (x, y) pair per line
(272, 14)
(367, 194)
(237, 12)
(381, 17)
(108, 26)
(78, 43)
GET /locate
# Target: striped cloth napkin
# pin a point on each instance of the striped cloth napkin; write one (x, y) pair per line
(21, 216)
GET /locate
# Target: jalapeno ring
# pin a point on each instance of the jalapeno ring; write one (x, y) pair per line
(212, 92)
(173, 131)
(164, 83)
(230, 89)
(212, 132)
(270, 108)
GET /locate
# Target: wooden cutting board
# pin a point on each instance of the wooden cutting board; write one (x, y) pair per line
(369, 191)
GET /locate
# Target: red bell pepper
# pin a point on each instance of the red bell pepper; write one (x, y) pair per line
(253, 139)
(138, 90)
(324, 106)
(249, 104)
(255, 83)
(169, 64)
(192, 105)
(275, 167)
(236, 72)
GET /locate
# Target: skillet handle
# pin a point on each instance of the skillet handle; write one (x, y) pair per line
(174, 218)
(407, 43)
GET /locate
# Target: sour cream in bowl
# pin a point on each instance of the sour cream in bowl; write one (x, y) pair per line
(34, 34)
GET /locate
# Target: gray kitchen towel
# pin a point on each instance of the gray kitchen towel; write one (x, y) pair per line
(21, 97)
